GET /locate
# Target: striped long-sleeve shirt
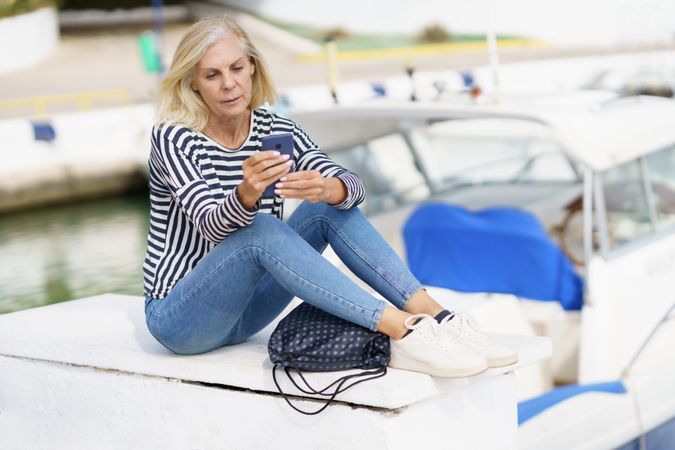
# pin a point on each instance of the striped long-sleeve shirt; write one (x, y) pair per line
(193, 203)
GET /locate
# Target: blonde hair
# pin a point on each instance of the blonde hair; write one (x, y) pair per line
(177, 102)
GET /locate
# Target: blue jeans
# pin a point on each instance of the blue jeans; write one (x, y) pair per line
(244, 282)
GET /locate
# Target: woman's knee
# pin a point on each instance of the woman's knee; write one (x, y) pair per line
(264, 231)
(319, 208)
(338, 215)
(267, 226)
(309, 212)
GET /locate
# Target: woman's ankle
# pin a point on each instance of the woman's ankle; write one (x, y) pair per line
(392, 323)
(422, 303)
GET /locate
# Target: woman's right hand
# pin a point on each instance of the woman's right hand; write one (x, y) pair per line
(260, 170)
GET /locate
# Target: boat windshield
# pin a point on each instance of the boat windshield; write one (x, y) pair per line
(474, 152)
(640, 197)
(411, 165)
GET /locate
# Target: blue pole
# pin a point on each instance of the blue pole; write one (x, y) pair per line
(158, 29)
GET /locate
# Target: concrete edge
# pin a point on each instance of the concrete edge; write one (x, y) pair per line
(88, 18)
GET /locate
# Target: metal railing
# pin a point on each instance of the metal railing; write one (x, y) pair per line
(83, 100)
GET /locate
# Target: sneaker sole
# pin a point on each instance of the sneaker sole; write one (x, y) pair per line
(437, 372)
(503, 361)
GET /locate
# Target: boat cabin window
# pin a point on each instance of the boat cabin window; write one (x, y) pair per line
(387, 168)
(640, 197)
(626, 203)
(661, 168)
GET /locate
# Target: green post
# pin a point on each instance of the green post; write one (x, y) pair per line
(150, 52)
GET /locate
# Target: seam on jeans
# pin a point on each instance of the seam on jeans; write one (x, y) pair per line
(350, 244)
(376, 318)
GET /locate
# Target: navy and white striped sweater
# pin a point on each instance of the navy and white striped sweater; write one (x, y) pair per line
(193, 205)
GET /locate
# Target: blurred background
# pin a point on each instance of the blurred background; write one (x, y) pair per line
(78, 78)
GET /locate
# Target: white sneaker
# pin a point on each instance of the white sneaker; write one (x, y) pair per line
(465, 329)
(431, 350)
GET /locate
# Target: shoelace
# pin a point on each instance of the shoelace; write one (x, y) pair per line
(416, 321)
(463, 324)
(419, 320)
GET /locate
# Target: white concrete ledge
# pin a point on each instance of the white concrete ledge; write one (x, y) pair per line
(109, 332)
(93, 362)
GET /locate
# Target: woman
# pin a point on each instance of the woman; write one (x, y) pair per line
(220, 263)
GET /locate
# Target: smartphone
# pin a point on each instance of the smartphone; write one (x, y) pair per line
(281, 142)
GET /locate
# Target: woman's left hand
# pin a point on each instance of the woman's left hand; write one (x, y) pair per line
(310, 185)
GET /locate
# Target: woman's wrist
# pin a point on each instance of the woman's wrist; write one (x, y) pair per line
(247, 201)
(337, 191)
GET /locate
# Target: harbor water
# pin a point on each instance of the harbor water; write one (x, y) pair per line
(59, 253)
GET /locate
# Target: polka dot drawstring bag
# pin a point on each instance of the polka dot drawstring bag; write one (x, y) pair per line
(309, 339)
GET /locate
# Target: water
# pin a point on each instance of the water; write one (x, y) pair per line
(54, 254)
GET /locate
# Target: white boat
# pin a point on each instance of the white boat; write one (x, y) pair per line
(600, 178)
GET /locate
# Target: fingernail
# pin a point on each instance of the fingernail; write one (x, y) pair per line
(288, 163)
(276, 153)
(287, 156)
(279, 185)
(277, 191)
(283, 179)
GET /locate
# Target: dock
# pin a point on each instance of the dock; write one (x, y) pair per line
(74, 156)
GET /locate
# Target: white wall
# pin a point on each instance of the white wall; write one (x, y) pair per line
(570, 22)
(31, 37)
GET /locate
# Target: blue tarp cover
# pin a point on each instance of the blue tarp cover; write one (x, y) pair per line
(503, 250)
(530, 408)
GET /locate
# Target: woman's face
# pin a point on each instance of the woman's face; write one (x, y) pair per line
(223, 78)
